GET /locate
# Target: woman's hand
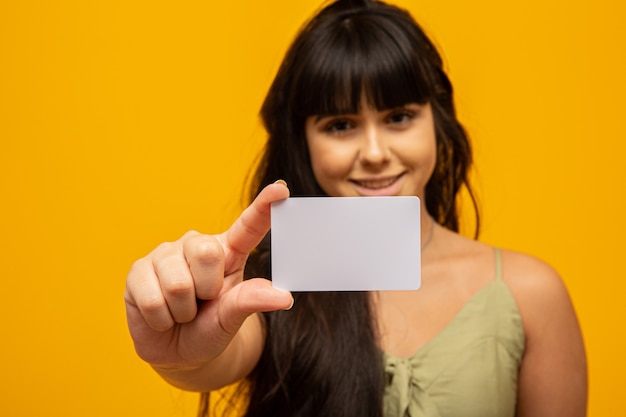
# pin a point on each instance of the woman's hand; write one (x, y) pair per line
(187, 300)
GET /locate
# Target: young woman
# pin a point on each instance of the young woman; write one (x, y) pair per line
(361, 106)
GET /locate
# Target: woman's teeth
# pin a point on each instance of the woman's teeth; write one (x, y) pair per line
(376, 184)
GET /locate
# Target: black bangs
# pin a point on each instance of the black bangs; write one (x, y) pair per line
(360, 54)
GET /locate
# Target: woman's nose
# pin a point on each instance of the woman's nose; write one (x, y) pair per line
(374, 148)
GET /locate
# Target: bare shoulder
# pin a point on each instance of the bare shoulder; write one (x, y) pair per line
(536, 286)
(541, 295)
(524, 272)
(553, 375)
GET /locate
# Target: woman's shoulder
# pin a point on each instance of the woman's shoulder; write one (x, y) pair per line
(552, 336)
(522, 272)
(537, 288)
(535, 285)
(529, 276)
(531, 280)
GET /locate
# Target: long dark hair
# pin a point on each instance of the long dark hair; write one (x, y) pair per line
(321, 358)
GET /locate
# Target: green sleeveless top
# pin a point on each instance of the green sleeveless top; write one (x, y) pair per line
(470, 369)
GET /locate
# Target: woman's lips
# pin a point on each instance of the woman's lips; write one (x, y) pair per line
(379, 186)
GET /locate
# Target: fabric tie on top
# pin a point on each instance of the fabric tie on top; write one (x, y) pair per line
(408, 399)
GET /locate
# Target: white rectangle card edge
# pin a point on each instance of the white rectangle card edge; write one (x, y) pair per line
(346, 243)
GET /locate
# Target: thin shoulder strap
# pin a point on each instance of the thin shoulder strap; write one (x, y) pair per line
(498, 258)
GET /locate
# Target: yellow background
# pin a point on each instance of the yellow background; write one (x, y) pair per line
(126, 123)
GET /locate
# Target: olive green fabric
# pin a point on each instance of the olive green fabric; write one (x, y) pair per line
(470, 369)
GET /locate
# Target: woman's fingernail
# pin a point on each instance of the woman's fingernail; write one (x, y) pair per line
(283, 182)
(292, 301)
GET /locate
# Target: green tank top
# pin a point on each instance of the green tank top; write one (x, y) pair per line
(470, 369)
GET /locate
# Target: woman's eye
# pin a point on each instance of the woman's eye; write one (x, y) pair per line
(400, 117)
(338, 126)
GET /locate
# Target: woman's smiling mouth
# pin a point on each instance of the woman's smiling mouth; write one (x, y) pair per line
(378, 186)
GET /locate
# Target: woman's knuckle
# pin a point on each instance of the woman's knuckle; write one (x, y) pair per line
(190, 234)
(205, 249)
(165, 247)
(178, 288)
(210, 250)
(152, 305)
(164, 264)
(137, 267)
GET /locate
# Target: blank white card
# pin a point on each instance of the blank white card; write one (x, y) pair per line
(346, 243)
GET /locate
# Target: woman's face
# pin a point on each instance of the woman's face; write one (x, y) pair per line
(373, 153)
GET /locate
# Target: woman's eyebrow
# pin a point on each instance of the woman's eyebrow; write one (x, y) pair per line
(319, 117)
(323, 116)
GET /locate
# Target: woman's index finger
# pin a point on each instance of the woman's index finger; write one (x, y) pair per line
(254, 222)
